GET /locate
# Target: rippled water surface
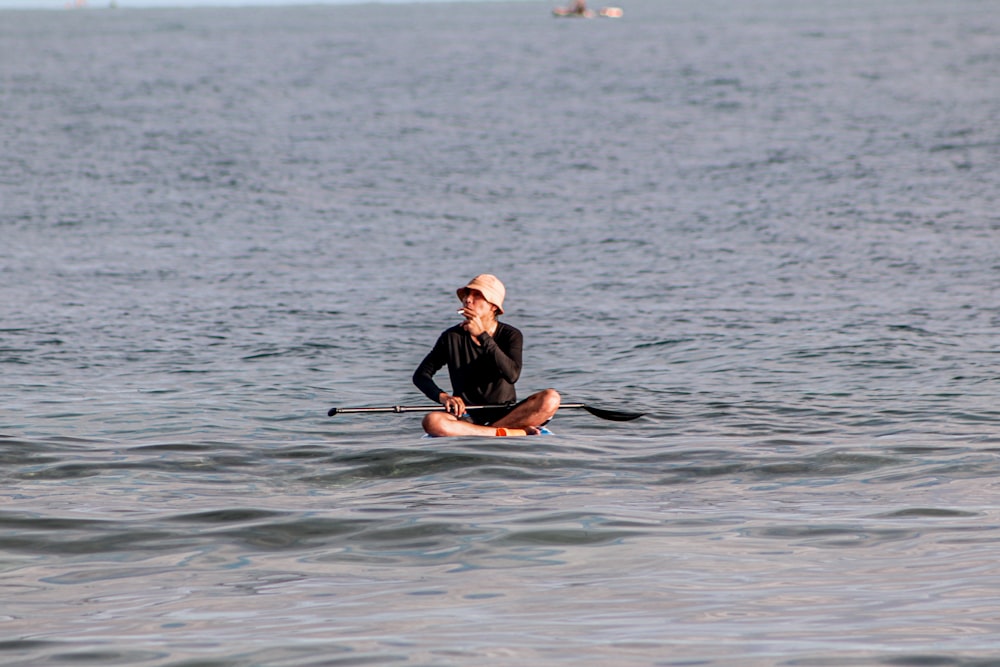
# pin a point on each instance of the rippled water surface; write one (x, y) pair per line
(771, 226)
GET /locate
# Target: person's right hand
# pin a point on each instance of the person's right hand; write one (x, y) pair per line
(453, 404)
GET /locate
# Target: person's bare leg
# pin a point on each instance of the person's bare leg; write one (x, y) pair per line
(533, 412)
(443, 423)
(526, 419)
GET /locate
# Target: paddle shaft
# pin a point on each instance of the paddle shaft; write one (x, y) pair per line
(612, 415)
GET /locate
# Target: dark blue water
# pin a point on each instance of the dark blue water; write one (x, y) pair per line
(771, 226)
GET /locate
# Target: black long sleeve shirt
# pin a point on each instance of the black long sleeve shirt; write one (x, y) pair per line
(481, 374)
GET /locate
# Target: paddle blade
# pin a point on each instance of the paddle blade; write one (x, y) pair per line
(613, 415)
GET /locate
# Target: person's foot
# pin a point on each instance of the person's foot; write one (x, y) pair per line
(532, 430)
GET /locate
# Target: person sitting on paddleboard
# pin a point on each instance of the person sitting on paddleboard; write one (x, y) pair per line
(578, 8)
(483, 356)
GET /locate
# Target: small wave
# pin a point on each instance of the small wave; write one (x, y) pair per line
(931, 512)
(831, 535)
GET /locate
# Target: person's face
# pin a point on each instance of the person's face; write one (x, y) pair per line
(477, 303)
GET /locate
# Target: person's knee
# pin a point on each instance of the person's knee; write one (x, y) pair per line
(434, 423)
(550, 400)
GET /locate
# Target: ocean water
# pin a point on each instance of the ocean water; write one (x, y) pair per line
(771, 226)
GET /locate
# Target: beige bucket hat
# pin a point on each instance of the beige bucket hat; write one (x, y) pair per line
(490, 287)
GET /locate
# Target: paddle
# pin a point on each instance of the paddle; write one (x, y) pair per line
(610, 415)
